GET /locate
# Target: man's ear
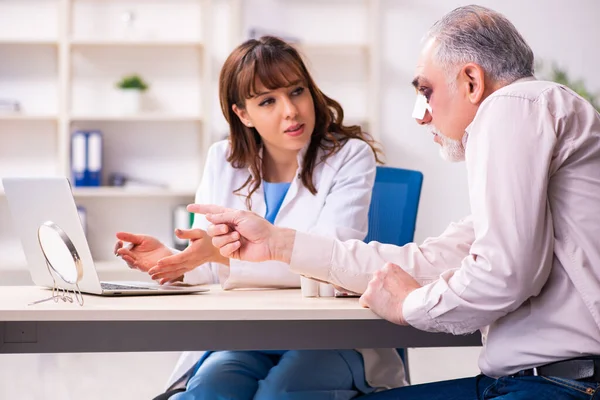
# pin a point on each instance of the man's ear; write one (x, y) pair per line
(473, 77)
(242, 115)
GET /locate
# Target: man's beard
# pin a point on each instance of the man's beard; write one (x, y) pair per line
(451, 150)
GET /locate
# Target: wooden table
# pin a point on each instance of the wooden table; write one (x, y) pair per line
(215, 320)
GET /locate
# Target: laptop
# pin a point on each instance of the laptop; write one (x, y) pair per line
(35, 201)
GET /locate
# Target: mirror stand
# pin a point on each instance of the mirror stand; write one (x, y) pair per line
(62, 260)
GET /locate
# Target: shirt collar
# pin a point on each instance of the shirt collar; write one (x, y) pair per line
(468, 129)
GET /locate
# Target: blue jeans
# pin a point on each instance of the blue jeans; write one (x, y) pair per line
(485, 388)
(281, 375)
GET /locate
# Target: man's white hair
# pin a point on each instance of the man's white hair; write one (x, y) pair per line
(485, 37)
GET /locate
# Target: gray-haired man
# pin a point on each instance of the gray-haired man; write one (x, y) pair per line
(524, 268)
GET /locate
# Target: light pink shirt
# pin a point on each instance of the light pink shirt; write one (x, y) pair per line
(524, 268)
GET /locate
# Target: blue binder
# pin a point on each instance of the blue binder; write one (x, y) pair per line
(86, 158)
(78, 157)
(94, 158)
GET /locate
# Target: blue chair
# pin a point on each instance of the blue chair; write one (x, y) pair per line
(394, 205)
(393, 211)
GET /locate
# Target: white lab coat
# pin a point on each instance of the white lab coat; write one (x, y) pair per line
(339, 209)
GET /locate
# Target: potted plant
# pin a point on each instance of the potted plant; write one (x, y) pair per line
(561, 76)
(131, 88)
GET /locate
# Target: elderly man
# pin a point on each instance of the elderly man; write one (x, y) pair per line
(524, 268)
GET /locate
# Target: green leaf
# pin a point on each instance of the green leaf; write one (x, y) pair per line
(561, 76)
(132, 82)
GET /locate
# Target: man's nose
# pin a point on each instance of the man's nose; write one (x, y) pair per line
(425, 120)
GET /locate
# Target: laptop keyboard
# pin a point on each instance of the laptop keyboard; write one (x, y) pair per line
(114, 286)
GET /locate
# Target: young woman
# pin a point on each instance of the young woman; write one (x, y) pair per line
(290, 159)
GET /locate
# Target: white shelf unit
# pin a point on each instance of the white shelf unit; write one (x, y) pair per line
(340, 41)
(131, 192)
(64, 57)
(28, 117)
(142, 117)
(135, 43)
(29, 42)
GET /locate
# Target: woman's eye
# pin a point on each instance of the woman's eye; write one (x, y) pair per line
(266, 102)
(298, 91)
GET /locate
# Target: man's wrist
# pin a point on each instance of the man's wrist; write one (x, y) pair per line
(221, 259)
(217, 257)
(400, 311)
(282, 244)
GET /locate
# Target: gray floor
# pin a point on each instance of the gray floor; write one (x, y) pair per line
(89, 376)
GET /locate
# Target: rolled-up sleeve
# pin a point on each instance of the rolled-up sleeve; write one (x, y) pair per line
(351, 264)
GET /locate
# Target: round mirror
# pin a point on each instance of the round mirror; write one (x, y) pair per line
(60, 252)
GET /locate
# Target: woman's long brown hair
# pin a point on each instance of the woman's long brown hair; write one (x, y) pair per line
(276, 64)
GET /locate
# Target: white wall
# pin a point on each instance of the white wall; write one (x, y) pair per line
(563, 31)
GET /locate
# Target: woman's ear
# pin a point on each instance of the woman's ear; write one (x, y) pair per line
(242, 115)
(473, 76)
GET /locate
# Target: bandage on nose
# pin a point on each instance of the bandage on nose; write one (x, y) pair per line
(421, 106)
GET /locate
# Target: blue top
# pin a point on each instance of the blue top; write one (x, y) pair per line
(274, 195)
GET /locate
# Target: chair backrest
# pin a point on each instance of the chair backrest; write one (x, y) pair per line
(394, 205)
(393, 213)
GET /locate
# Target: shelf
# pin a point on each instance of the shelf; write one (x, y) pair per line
(29, 42)
(27, 117)
(333, 47)
(107, 191)
(134, 43)
(138, 118)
